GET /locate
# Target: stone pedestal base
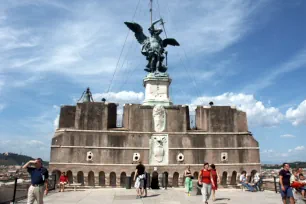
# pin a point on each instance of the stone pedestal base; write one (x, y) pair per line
(157, 89)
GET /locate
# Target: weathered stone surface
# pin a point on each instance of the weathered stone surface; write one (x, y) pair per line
(139, 118)
(220, 131)
(67, 116)
(157, 90)
(95, 116)
(220, 119)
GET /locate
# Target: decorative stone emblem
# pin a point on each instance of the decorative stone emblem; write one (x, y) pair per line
(89, 156)
(224, 156)
(159, 118)
(180, 157)
(159, 149)
(136, 157)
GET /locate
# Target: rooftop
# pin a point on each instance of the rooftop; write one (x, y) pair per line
(170, 196)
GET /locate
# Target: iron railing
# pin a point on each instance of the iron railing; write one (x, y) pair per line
(19, 191)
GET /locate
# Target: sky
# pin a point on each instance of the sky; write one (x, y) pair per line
(251, 54)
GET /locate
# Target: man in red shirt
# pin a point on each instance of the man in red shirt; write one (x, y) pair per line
(63, 182)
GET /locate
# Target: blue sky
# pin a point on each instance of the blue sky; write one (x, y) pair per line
(251, 54)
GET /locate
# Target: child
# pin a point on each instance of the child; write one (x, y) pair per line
(302, 180)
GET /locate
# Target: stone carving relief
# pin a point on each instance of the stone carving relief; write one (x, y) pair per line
(159, 118)
(159, 149)
(89, 156)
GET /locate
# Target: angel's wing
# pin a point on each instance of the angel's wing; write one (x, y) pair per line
(137, 29)
(170, 41)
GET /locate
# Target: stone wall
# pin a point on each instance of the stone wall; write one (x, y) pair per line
(137, 117)
(220, 119)
(118, 147)
(221, 137)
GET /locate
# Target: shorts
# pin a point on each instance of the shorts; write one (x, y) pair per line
(287, 193)
(140, 182)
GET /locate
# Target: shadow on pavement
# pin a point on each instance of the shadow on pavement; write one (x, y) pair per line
(150, 196)
(219, 199)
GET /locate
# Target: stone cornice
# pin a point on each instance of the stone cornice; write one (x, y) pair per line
(147, 148)
(147, 165)
(139, 132)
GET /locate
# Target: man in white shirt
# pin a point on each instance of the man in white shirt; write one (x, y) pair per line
(244, 182)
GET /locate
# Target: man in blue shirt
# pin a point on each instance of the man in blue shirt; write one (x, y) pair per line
(39, 181)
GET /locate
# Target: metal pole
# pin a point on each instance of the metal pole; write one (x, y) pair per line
(275, 184)
(15, 187)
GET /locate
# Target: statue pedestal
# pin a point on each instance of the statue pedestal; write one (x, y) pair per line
(157, 89)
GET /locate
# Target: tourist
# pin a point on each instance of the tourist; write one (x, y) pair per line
(216, 179)
(139, 179)
(39, 181)
(205, 178)
(284, 180)
(188, 180)
(257, 181)
(63, 182)
(300, 171)
(302, 180)
(244, 182)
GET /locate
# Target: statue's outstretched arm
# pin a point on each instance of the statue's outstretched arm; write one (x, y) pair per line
(160, 20)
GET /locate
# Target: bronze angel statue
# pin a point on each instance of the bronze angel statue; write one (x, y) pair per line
(153, 47)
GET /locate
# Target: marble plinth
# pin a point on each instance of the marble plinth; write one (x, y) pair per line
(157, 89)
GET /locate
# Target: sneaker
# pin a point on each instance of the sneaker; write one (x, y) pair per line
(137, 197)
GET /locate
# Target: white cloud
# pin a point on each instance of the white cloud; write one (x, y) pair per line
(258, 114)
(297, 116)
(120, 97)
(267, 151)
(212, 25)
(70, 51)
(56, 122)
(297, 61)
(287, 136)
(299, 148)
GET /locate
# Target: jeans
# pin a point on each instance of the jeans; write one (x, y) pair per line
(206, 192)
(258, 185)
(248, 186)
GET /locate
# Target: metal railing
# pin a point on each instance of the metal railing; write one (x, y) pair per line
(276, 184)
(19, 191)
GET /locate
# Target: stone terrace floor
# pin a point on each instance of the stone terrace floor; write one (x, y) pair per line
(170, 196)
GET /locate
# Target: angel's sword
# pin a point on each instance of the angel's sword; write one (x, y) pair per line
(151, 10)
